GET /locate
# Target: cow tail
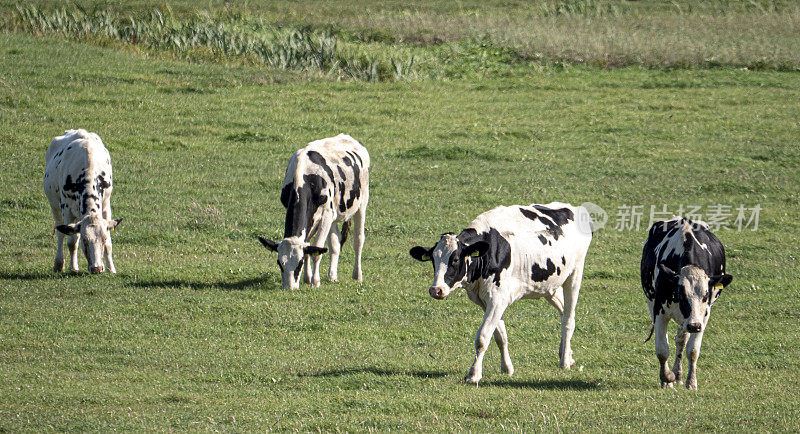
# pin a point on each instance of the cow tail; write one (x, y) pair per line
(345, 230)
(652, 327)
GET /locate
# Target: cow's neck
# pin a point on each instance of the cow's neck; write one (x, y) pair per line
(299, 217)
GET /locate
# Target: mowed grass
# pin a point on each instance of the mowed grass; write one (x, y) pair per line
(195, 333)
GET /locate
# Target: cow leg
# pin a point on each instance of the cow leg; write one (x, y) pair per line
(107, 216)
(693, 352)
(493, 315)
(58, 263)
(72, 244)
(322, 234)
(662, 350)
(358, 239)
(109, 259)
(572, 288)
(680, 343)
(335, 245)
(307, 273)
(501, 338)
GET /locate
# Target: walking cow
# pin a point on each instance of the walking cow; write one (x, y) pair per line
(325, 182)
(78, 185)
(510, 253)
(683, 273)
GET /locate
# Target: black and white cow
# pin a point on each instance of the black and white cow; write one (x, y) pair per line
(683, 273)
(510, 253)
(326, 182)
(78, 185)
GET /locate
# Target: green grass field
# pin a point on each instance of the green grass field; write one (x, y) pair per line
(195, 333)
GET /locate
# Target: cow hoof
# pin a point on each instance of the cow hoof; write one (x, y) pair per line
(667, 385)
(691, 386)
(509, 369)
(568, 366)
(58, 267)
(472, 380)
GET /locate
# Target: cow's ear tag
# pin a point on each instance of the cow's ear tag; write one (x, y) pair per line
(718, 286)
(111, 229)
(475, 254)
(426, 257)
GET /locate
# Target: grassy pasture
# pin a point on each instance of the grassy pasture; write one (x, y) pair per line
(195, 333)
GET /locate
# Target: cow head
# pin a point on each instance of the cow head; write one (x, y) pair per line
(696, 293)
(95, 234)
(450, 259)
(291, 252)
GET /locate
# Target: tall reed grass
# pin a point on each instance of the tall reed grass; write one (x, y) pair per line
(230, 37)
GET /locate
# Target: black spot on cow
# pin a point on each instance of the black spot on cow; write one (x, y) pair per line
(319, 160)
(558, 271)
(542, 239)
(285, 192)
(494, 261)
(563, 261)
(299, 268)
(360, 162)
(101, 184)
(341, 172)
(302, 203)
(539, 274)
(85, 202)
(347, 161)
(355, 192)
(342, 202)
(78, 186)
(552, 228)
(560, 216)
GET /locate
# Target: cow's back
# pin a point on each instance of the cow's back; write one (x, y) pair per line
(73, 158)
(546, 241)
(334, 148)
(338, 167)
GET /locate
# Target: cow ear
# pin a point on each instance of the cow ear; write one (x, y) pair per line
(112, 224)
(671, 275)
(272, 245)
(476, 249)
(314, 251)
(70, 229)
(421, 253)
(721, 280)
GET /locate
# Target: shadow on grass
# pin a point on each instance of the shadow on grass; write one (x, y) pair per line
(252, 284)
(40, 275)
(544, 384)
(376, 371)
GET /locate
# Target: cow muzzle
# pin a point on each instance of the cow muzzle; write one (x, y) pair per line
(96, 270)
(436, 292)
(694, 327)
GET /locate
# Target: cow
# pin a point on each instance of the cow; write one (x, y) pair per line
(683, 274)
(78, 184)
(326, 182)
(510, 253)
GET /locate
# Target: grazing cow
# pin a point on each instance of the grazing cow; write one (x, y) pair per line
(325, 182)
(683, 273)
(510, 253)
(78, 185)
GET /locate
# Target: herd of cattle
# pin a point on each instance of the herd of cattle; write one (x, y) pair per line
(505, 254)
